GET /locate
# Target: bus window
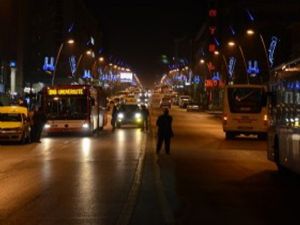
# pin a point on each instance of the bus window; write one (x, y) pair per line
(246, 100)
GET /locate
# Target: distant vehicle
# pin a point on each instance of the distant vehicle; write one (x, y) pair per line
(284, 113)
(245, 110)
(74, 108)
(183, 101)
(165, 102)
(14, 124)
(143, 98)
(129, 114)
(192, 106)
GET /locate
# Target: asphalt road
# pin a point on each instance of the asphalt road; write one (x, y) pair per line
(218, 181)
(69, 180)
(116, 178)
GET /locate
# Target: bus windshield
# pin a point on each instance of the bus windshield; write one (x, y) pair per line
(245, 100)
(67, 107)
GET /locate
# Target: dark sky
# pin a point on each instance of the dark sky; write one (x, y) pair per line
(140, 32)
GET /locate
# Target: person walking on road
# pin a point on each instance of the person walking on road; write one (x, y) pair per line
(145, 113)
(114, 116)
(38, 121)
(165, 132)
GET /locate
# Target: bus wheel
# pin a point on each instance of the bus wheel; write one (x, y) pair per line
(229, 135)
(281, 168)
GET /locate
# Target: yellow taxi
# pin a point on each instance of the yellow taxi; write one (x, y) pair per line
(14, 124)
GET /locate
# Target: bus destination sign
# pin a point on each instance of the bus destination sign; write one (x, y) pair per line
(68, 91)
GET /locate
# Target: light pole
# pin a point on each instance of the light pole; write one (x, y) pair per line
(70, 42)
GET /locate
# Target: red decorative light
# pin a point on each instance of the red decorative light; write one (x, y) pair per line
(212, 47)
(212, 30)
(210, 66)
(213, 13)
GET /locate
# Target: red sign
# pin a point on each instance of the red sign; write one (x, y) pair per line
(213, 84)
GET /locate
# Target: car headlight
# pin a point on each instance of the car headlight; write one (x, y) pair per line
(120, 116)
(85, 126)
(47, 126)
(138, 115)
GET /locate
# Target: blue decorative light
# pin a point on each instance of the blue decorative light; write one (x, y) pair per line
(70, 29)
(232, 30)
(253, 68)
(197, 79)
(231, 66)
(250, 16)
(49, 64)
(87, 74)
(12, 64)
(216, 76)
(217, 41)
(271, 50)
(73, 65)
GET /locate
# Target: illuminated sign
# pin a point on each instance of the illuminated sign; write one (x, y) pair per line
(126, 77)
(49, 64)
(213, 83)
(253, 68)
(73, 66)
(231, 66)
(272, 47)
(68, 91)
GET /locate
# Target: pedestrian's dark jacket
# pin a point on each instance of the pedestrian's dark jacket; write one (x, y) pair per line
(164, 124)
(145, 113)
(39, 118)
(114, 112)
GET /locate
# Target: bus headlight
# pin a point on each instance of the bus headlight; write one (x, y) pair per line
(47, 126)
(86, 126)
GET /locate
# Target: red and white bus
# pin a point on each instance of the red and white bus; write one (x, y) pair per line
(74, 108)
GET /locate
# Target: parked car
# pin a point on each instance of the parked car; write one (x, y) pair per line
(184, 100)
(192, 106)
(14, 124)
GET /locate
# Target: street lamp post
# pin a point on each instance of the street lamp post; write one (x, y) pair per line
(70, 41)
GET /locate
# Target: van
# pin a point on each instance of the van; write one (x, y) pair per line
(14, 124)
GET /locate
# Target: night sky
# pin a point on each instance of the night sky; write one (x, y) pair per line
(141, 32)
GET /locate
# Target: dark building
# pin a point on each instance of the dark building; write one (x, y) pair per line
(33, 30)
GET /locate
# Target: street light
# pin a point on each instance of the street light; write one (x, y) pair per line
(231, 43)
(216, 52)
(70, 42)
(250, 32)
(202, 61)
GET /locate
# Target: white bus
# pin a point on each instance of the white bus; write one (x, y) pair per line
(73, 108)
(284, 113)
(245, 110)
